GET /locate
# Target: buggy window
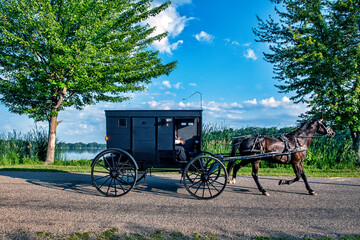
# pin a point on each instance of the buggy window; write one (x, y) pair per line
(122, 122)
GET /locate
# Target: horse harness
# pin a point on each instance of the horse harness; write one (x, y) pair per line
(287, 148)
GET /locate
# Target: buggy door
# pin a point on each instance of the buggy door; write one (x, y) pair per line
(144, 139)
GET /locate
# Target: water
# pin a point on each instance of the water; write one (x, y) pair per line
(78, 154)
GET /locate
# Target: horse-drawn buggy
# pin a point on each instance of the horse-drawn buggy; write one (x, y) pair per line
(138, 140)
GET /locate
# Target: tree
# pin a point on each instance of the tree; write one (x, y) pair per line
(55, 54)
(315, 50)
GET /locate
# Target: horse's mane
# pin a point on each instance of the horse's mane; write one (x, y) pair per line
(301, 128)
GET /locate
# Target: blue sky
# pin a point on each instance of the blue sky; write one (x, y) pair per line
(217, 56)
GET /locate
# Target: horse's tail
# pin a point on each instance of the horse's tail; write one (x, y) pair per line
(236, 145)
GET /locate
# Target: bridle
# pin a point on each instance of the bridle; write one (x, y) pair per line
(327, 129)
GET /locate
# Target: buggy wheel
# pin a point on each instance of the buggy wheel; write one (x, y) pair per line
(114, 172)
(205, 177)
(203, 153)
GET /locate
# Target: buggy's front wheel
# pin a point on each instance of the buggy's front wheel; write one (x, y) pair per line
(114, 172)
(205, 177)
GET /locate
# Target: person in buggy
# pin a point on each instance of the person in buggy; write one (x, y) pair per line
(180, 151)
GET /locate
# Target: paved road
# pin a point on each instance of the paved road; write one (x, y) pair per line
(67, 202)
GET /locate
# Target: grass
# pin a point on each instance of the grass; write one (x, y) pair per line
(114, 233)
(245, 171)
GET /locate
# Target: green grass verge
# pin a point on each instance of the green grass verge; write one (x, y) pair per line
(245, 171)
(156, 235)
(49, 168)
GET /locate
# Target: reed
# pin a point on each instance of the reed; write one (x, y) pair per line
(18, 148)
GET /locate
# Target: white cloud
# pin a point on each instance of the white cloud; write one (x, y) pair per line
(166, 84)
(170, 94)
(286, 100)
(251, 102)
(222, 107)
(177, 86)
(234, 117)
(266, 103)
(193, 84)
(181, 2)
(169, 21)
(236, 43)
(165, 46)
(270, 102)
(162, 105)
(250, 54)
(204, 37)
(186, 105)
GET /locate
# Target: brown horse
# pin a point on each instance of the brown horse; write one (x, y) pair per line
(287, 149)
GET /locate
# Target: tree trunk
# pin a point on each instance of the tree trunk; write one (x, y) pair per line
(356, 144)
(57, 101)
(50, 154)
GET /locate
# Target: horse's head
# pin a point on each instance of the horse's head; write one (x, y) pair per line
(324, 129)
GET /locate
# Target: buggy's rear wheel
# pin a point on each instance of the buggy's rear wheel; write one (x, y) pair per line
(114, 172)
(205, 177)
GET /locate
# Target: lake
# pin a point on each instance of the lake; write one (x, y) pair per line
(78, 154)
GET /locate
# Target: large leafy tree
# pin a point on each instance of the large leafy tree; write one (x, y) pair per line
(55, 54)
(315, 49)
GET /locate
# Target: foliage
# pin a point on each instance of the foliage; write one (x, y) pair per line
(72, 53)
(38, 138)
(18, 148)
(80, 51)
(315, 50)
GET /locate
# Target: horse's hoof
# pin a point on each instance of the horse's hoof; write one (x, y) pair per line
(281, 182)
(266, 193)
(312, 193)
(232, 181)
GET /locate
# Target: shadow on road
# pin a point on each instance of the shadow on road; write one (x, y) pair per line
(163, 184)
(81, 183)
(75, 182)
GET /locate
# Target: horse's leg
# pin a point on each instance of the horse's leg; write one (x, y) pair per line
(255, 170)
(228, 170)
(303, 176)
(236, 169)
(297, 171)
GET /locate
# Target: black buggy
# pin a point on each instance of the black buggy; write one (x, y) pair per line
(138, 140)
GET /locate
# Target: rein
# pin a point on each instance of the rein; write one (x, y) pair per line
(327, 129)
(312, 136)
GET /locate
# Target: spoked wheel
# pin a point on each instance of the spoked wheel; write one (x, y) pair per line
(203, 153)
(205, 177)
(114, 172)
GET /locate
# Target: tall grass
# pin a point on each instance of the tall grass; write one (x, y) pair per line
(331, 153)
(18, 148)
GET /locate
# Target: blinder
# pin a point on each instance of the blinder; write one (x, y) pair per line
(329, 131)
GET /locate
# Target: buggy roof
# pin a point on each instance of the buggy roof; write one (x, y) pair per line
(154, 113)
